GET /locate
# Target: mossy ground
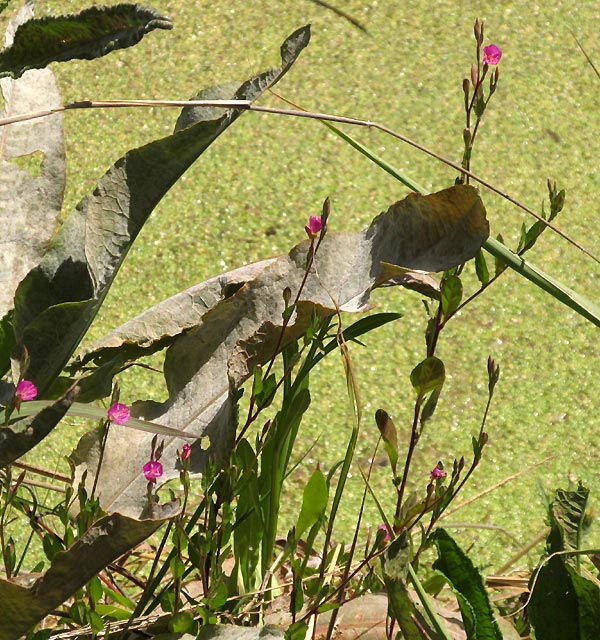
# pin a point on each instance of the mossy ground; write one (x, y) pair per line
(250, 196)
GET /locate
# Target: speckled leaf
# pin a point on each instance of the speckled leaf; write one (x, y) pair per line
(204, 364)
(32, 172)
(104, 542)
(57, 300)
(90, 34)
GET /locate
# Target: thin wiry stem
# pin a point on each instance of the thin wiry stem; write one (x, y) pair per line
(248, 106)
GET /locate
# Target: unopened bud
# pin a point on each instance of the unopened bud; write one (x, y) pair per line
(287, 296)
(473, 75)
(476, 29)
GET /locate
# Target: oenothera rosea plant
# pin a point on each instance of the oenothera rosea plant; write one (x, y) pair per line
(215, 334)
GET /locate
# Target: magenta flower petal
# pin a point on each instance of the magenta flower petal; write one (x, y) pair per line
(315, 225)
(152, 470)
(387, 536)
(118, 413)
(26, 390)
(185, 451)
(436, 473)
(491, 54)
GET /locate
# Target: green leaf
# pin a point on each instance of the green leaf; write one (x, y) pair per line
(111, 612)
(428, 375)
(105, 541)
(451, 294)
(467, 583)
(387, 429)
(95, 589)
(248, 528)
(314, 502)
(554, 608)
(183, 622)
(563, 603)
(481, 269)
(567, 517)
(90, 34)
(395, 571)
(7, 342)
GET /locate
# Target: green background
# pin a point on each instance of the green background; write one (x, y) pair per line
(251, 194)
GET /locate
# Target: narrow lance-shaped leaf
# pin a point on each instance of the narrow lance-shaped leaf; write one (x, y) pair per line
(556, 289)
(205, 364)
(314, 502)
(90, 34)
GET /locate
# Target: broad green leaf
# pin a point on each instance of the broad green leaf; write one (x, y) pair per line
(554, 608)
(564, 604)
(105, 541)
(467, 583)
(57, 301)
(314, 502)
(567, 516)
(90, 34)
(236, 334)
(32, 173)
(428, 375)
(183, 622)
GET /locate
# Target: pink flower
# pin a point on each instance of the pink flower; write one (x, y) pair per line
(387, 537)
(185, 452)
(491, 54)
(314, 226)
(436, 473)
(152, 470)
(118, 413)
(26, 390)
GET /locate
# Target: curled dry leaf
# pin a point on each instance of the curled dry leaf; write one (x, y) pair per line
(205, 364)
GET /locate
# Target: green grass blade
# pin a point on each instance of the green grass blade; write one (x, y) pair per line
(405, 180)
(557, 290)
(435, 620)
